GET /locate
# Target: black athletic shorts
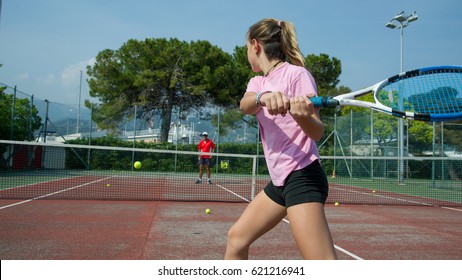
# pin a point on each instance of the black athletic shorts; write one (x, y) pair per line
(305, 185)
(205, 161)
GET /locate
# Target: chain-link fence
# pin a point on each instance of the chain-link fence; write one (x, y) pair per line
(368, 144)
(71, 121)
(364, 149)
(365, 133)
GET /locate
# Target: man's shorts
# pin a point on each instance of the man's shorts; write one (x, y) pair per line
(205, 161)
(305, 185)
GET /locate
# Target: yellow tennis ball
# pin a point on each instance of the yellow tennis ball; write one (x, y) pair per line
(208, 211)
(108, 185)
(373, 191)
(137, 165)
(337, 204)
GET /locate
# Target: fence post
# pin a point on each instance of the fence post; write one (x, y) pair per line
(254, 177)
(13, 115)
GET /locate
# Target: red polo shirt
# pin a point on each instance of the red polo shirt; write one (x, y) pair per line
(206, 146)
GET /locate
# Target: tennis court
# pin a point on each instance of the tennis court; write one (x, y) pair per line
(72, 210)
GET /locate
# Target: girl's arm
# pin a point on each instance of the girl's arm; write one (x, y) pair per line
(248, 105)
(275, 102)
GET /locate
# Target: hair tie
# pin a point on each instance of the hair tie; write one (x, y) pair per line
(279, 23)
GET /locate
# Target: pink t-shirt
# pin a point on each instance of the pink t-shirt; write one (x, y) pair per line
(286, 146)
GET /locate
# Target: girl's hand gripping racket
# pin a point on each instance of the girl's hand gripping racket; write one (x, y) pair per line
(427, 94)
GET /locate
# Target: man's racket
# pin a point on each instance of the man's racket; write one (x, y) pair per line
(427, 94)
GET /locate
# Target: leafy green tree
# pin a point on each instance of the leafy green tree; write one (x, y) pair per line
(232, 78)
(230, 116)
(163, 76)
(26, 120)
(453, 135)
(420, 136)
(159, 75)
(384, 130)
(325, 70)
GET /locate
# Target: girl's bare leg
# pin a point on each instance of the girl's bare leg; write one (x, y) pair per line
(311, 231)
(261, 215)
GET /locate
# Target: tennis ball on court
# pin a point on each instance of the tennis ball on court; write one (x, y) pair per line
(108, 185)
(208, 211)
(137, 165)
(373, 191)
(336, 203)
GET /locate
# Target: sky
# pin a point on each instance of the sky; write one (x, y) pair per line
(46, 44)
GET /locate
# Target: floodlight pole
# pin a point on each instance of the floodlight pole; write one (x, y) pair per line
(403, 21)
(78, 112)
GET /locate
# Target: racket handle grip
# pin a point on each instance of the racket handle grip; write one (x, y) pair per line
(324, 101)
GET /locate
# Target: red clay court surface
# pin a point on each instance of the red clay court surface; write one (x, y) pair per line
(154, 230)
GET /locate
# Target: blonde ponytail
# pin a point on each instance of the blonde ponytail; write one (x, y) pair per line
(289, 44)
(278, 39)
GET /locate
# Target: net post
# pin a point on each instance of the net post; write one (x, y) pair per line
(254, 177)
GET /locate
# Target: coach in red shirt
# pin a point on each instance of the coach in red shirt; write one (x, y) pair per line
(205, 147)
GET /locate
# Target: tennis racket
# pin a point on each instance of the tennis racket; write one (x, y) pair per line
(426, 94)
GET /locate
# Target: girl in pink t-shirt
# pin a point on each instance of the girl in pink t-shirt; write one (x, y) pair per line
(289, 126)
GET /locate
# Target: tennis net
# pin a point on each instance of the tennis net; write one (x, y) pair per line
(35, 170)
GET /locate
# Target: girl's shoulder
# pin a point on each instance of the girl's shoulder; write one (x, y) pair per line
(257, 79)
(295, 68)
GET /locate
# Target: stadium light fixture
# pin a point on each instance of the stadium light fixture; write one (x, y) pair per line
(413, 17)
(401, 17)
(403, 21)
(390, 25)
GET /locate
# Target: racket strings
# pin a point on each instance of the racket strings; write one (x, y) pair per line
(431, 92)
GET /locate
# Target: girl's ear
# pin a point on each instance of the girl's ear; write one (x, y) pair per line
(255, 46)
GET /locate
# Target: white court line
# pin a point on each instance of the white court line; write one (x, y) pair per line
(50, 194)
(287, 221)
(450, 208)
(38, 183)
(393, 198)
(233, 193)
